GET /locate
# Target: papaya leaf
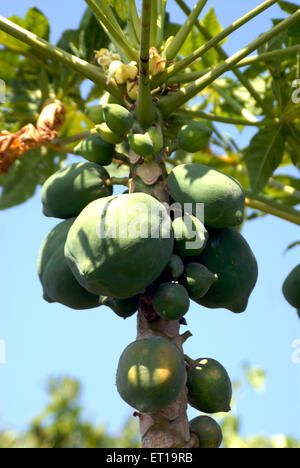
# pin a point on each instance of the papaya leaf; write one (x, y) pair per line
(30, 171)
(288, 7)
(264, 155)
(292, 246)
(37, 23)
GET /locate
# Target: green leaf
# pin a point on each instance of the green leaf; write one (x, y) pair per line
(292, 246)
(264, 155)
(288, 7)
(31, 170)
(37, 23)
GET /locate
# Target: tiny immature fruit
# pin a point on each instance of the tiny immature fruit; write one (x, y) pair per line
(209, 387)
(198, 279)
(124, 308)
(175, 267)
(171, 301)
(117, 118)
(141, 144)
(151, 374)
(194, 136)
(96, 150)
(208, 432)
(107, 135)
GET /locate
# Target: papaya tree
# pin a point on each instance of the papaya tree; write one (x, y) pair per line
(174, 234)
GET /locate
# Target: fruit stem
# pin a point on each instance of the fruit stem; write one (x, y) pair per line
(171, 103)
(189, 360)
(116, 33)
(118, 181)
(173, 69)
(274, 208)
(223, 56)
(145, 111)
(58, 55)
(184, 31)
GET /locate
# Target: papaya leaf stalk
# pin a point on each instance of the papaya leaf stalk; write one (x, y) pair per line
(145, 110)
(60, 56)
(115, 33)
(222, 54)
(184, 31)
(171, 103)
(267, 206)
(135, 19)
(198, 114)
(173, 69)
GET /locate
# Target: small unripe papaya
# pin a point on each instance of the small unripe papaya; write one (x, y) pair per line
(171, 301)
(117, 118)
(190, 236)
(209, 387)
(151, 374)
(208, 432)
(291, 288)
(95, 114)
(156, 138)
(141, 144)
(194, 136)
(122, 307)
(109, 136)
(198, 279)
(175, 267)
(96, 150)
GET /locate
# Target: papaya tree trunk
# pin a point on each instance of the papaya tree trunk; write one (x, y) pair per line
(168, 428)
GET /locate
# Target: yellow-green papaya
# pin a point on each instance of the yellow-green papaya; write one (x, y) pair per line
(228, 255)
(120, 245)
(95, 150)
(194, 136)
(141, 144)
(151, 374)
(117, 118)
(291, 288)
(59, 283)
(171, 301)
(107, 135)
(69, 190)
(209, 387)
(223, 196)
(208, 432)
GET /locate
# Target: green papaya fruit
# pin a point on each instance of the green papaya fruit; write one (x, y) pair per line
(209, 387)
(197, 279)
(120, 245)
(141, 144)
(95, 150)
(223, 196)
(95, 114)
(175, 267)
(291, 288)
(194, 136)
(156, 137)
(207, 431)
(151, 374)
(117, 118)
(58, 281)
(171, 301)
(107, 135)
(228, 255)
(69, 190)
(190, 236)
(122, 307)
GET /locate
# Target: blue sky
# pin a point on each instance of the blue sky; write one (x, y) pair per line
(45, 340)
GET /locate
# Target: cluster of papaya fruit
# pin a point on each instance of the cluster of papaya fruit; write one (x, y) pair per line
(114, 250)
